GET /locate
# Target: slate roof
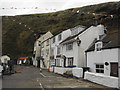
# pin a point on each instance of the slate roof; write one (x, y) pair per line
(111, 40)
(72, 37)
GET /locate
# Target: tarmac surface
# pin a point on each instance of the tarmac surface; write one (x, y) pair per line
(31, 77)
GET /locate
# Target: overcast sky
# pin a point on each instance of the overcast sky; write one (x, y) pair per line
(17, 7)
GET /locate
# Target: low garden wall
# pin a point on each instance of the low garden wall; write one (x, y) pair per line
(102, 79)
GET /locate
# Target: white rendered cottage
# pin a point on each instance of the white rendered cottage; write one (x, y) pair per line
(60, 55)
(74, 47)
(102, 59)
(36, 52)
(38, 46)
(55, 45)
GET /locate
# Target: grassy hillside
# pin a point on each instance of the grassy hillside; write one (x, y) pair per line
(20, 32)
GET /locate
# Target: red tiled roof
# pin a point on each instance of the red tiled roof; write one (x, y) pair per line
(22, 58)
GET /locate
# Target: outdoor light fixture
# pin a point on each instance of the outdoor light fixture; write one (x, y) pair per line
(78, 41)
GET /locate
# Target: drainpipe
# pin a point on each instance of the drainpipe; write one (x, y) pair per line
(1, 44)
(0, 35)
(86, 58)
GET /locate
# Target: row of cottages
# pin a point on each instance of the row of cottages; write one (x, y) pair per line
(102, 59)
(67, 48)
(38, 47)
(72, 49)
(81, 47)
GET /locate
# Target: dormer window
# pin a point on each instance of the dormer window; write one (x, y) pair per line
(98, 46)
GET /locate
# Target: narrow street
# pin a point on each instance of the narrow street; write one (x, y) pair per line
(30, 77)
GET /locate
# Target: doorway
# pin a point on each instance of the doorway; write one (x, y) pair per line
(114, 69)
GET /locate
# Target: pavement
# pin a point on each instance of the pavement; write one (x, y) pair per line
(31, 77)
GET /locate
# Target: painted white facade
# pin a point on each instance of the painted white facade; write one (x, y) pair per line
(77, 72)
(45, 53)
(100, 57)
(37, 47)
(56, 44)
(78, 52)
(61, 70)
(36, 52)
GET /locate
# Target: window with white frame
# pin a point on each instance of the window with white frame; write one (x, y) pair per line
(69, 46)
(99, 68)
(98, 46)
(52, 52)
(58, 50)
(59, 37)
(47, 42)
(53, 39)
(47, 52)
(42, 52)
(70, 61)
(42, 45)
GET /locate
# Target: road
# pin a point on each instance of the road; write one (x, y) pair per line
(30, 77)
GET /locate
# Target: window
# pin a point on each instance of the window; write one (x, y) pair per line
(42, 45)
(70, 61)
(47, 52)
(52, 52)
(47, 42)
(58, 50)
(54, 40)
(99, 68)
(42, 52)
(69, 46)
(59, 37)
(98, 46)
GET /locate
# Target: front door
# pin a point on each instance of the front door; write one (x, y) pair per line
(114, 69)
(38, 63)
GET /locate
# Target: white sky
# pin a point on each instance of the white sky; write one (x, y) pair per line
(44, 6)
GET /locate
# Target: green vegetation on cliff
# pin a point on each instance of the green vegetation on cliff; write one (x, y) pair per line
(19, 31)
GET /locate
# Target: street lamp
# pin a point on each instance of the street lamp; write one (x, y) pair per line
(78, 41)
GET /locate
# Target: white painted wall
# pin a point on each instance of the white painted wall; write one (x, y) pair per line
(61, 70)
(87, 37)
(106, 55)
(102, 79)
(71, 53)
(77, 72)
(37, 48)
